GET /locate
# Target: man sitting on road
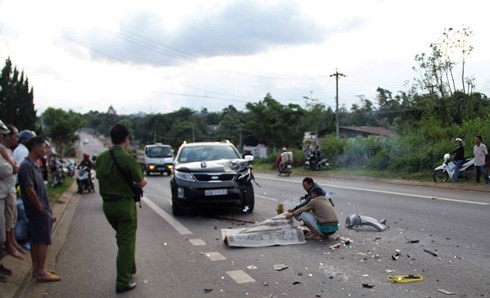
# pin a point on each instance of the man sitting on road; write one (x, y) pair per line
(318, 215)
(309, 185)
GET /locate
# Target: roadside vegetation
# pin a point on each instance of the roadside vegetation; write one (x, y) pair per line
(439, 104)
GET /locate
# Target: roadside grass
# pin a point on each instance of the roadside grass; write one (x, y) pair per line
(364, 172)
(54, 193)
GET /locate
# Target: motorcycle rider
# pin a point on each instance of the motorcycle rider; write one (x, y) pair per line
(458, 157)
(279, 159)
(90, 166)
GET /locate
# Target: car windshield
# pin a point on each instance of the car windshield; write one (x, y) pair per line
(207, 152)
(159, 152)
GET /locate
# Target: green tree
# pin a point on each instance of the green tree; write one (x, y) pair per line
(16, 98)
(61, 127)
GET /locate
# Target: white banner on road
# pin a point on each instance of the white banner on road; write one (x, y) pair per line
(274, 231)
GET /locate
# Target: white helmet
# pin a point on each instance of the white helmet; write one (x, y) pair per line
(458, 139)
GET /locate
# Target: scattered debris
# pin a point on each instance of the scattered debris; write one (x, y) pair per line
(431, 252)
(280, 267)
(360, 220)
(251, 267)
(412, 240)
(445, 292)
(405, 278)
(266, 284)
(366, 285)
(296, 283)
(235, 219)
(208, 290)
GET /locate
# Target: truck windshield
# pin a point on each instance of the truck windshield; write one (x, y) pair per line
(158, 152)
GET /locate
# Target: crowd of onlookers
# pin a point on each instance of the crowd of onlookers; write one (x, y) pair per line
(25, 214)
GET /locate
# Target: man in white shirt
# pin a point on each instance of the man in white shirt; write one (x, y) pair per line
(480, 151)
(21, 152)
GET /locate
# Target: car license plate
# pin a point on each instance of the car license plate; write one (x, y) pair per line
(289, 166)
(162, 169)
(216, 192)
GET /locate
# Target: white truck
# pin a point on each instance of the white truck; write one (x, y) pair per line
(157, 158)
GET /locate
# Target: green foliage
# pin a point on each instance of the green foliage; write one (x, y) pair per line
(61, 127)
(16, 98)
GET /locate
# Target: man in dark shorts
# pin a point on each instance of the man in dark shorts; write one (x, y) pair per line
(119, 206)
(36, 204)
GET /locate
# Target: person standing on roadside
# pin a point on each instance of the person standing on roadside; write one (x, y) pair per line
(481, 152)
(118, 204)
(38, 211)
(5, 170)
(9, 193)
(21, 152)
(458, 158)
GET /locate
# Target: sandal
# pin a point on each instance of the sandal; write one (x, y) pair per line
(312, 237)
(50, 278)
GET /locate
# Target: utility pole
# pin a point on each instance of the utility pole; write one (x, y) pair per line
(337, 75)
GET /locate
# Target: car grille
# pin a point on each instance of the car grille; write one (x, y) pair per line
(211, 177)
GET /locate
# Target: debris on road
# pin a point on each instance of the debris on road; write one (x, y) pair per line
(445, 292)
(296, 283)
(405, 278)
(242, 221)
(431, 252)
(280, 267)
(208, 290)
(366, 285)
(251, 267)
(356, 220)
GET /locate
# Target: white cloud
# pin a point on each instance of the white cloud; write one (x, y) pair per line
(75, 57)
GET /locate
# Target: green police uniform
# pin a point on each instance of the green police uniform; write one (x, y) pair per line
(119, 207)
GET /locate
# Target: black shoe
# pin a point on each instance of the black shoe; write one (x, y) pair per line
(126, 288)
(5, 271)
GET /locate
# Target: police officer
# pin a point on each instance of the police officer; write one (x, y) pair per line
(119, 207)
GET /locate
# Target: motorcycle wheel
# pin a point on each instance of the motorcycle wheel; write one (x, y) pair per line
(440, 176)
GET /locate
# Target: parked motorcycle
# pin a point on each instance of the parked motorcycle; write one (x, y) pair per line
(70, 167)
(85, 179)
(59, 175)
(445, 171)
(311, 165)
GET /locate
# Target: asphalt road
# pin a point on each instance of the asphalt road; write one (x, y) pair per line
(186, 257)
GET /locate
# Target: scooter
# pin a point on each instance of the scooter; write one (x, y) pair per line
(70, 167)
(445, 171)
(285, 168)
(59, 175)
(320, 165)
(85, 180)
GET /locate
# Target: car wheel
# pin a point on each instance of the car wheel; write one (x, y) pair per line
(177, 210)
(248, 199)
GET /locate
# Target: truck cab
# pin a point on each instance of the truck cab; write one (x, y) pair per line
(158, 158)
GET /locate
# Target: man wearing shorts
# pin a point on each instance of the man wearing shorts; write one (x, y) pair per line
(37, 209)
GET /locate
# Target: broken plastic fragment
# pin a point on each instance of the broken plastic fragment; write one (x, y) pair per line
(366, 285)
(431, 252)
(280, 267)
(405, 278)
(445, 292)
(208, 290)
(360, 220)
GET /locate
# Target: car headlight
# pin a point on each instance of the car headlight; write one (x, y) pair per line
(243, 176)
(152, 167)
(184, 176)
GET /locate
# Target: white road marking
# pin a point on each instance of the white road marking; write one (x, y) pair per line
(240, 277)
(180, 228)
(215, 256)
(267, 198)
(197, 242)
(387, 192)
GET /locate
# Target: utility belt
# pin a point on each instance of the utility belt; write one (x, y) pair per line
(115, 199)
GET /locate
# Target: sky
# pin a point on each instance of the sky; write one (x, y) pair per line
(158, 56)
